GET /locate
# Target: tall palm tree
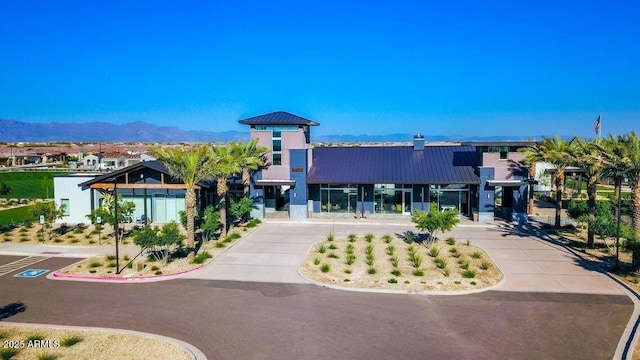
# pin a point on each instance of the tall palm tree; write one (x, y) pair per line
(250, 157)
(532, 155)
(616, 164)
(189, 165)
(223, 165)
(631, 146)
(556, 152)
(590, 157)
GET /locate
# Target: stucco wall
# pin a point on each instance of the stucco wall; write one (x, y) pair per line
(503, 168)
(66, 187)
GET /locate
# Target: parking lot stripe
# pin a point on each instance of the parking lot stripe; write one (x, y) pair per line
(20, 263)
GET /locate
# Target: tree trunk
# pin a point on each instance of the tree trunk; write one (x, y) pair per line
(559, 181)
(222, 195)
(532, 175)
(190, 202)
(591, 206)
(635, 199)
(246, 181)
(618, 189)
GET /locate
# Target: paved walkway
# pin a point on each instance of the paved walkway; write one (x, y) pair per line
(65, 250)
(274, 252)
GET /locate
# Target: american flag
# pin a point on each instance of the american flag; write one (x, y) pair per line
(596, 125)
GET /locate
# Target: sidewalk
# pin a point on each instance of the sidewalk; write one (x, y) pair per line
(65, 250)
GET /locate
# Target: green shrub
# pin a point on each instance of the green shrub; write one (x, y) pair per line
(352, 237)
(8, 353)
(253, 223)
(369, 237)
(350, 259)
(473, 283)
(111, 264)
(316, 261)
(34, 337)
(95, 264)
(347, 271)
(409, 238)
(234, 236)
(468, 243)
(441, 263)
(434, 251)
(75, 241)
(322, 248)
(369, 249)
(56, 240)
(220, 244)
(332, 246)
(126, 258)
(464, 263)
(477, 254)
(469, 274)
(330, 237)
(392, 281)
(200, 258)
(396, 272)
(70, 341)
(158, 273)
(395, 260)
(446, 272)
(387, 238)
(415, 260)
(325, 268)
(390, 250)
(111, 257)
(333, 256)
(347, 280)
(155, 268)
(453, 250)
(485, 265)
(418, 272)
(350, 249)
(372, 270)
(451, 241)
(370, 259)
(411, 250)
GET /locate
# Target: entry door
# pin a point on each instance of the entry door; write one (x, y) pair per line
(406, 202)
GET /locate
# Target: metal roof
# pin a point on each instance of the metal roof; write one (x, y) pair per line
(155, 165)
(394, 165)
(278, 118)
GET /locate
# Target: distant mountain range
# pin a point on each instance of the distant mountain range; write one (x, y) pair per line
(16, 131)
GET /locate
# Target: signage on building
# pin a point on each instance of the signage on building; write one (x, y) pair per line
(297, 169)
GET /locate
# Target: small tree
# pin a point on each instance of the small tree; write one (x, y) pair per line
(239, 210)
(159, 242)
(50, 213)
(4, 189)
(434, 221)
(210, 223)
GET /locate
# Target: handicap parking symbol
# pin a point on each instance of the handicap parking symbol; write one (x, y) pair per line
(31, 273)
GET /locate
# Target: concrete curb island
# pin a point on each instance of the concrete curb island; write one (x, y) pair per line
(120, 280)
(193, 352)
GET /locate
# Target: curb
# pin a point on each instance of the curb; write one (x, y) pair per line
(193, 352)
(630, 336)
(119, 280)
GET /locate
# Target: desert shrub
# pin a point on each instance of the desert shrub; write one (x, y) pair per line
(441, 263)
(352, 238)
(451, 241)
(394, 260)
(477, 254)
(469, 274)
(322, 248)
(370, 259)
(415, 260)
(387, 238)
(347, 271)
(332, 246)
(330, 237)
(464, 263)
(70, 341)
(316, 261)
(390, 250)
(372, 270)
(369, 249)
(333, 256)
(200, 258)
(95, 264)
(111, 257)
(8, 353)
(369, 237)
(234, 236)
(485, 265)
(350, 259)
(446, 272)
(325, 268)
(350, 249)
(396, 272)
(392, 281)
(418, 272)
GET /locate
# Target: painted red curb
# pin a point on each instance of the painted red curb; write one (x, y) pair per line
(113, 279)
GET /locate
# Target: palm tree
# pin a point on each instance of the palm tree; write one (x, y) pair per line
(590, 157)
(223, 165)
(555, 151)
(189, 165)
(631, 146)
(250, 157)
(616, 164)
(532, 155)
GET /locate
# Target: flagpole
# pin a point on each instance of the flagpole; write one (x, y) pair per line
(600, 132)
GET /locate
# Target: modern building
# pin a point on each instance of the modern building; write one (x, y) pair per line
(371, 180)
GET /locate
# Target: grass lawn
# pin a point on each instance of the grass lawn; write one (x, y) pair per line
(29, 184)
(15, 215)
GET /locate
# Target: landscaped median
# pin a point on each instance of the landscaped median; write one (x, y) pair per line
(402, 264)
(47, 342)
(151, 265)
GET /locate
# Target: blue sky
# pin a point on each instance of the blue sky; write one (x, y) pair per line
(470, 68)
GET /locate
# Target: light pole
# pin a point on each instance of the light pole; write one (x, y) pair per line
(619, 185)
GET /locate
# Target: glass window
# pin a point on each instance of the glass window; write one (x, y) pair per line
(277, 145)
(503, 155)
(277, 158)
(64, 203)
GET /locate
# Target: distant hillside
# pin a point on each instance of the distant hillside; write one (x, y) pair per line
(14, 131)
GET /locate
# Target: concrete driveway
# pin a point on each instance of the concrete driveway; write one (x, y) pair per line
(275, 250)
